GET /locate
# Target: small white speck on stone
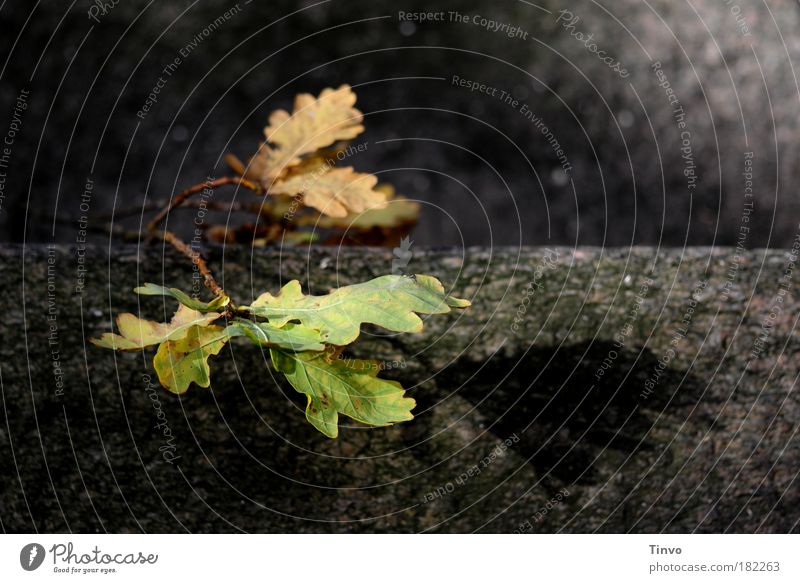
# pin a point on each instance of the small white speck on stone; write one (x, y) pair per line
(628, 279)
(559, 177)
(625, 118)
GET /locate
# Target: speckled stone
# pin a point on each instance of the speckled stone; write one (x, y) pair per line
(508, 417)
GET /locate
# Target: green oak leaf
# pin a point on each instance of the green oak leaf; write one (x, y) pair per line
(184, 361)
(151, 289)
(347, 386)
(291, 336)
(137, 334)
(389, 301)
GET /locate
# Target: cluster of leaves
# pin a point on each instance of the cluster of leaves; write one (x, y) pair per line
(305, 192)
(305, 336)
(297, 166)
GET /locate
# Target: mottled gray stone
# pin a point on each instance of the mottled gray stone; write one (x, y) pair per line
(712, 448)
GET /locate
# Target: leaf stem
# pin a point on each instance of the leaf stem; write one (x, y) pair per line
(197, 259)
(171, 238)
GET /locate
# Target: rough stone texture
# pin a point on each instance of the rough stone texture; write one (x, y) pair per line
(713, 448)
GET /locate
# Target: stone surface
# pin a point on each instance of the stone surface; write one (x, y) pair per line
(710, 447)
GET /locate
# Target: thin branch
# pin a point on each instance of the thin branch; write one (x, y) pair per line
(177, 243)
(253, 208)
(197, 259)
(192, 190)
(208, 278)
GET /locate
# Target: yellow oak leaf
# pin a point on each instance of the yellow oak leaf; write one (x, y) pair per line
(137, 334)
(335, 192)
(313, 124)
(181, 362)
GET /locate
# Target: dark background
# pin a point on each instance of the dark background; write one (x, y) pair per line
(484, 173)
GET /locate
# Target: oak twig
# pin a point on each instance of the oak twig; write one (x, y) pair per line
(197, 259)
(157, 205)
(200, 187)
(171, 238)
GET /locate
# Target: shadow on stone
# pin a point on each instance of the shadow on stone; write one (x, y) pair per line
(568, 411)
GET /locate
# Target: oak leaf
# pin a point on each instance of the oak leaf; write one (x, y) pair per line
(313, 124)
(184, 361)
(345, 386)
(151, 289)
(291, 336)
(336, 192)
(137, 334)
(390, 301)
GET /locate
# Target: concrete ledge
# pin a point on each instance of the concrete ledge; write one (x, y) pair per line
(607, 390)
